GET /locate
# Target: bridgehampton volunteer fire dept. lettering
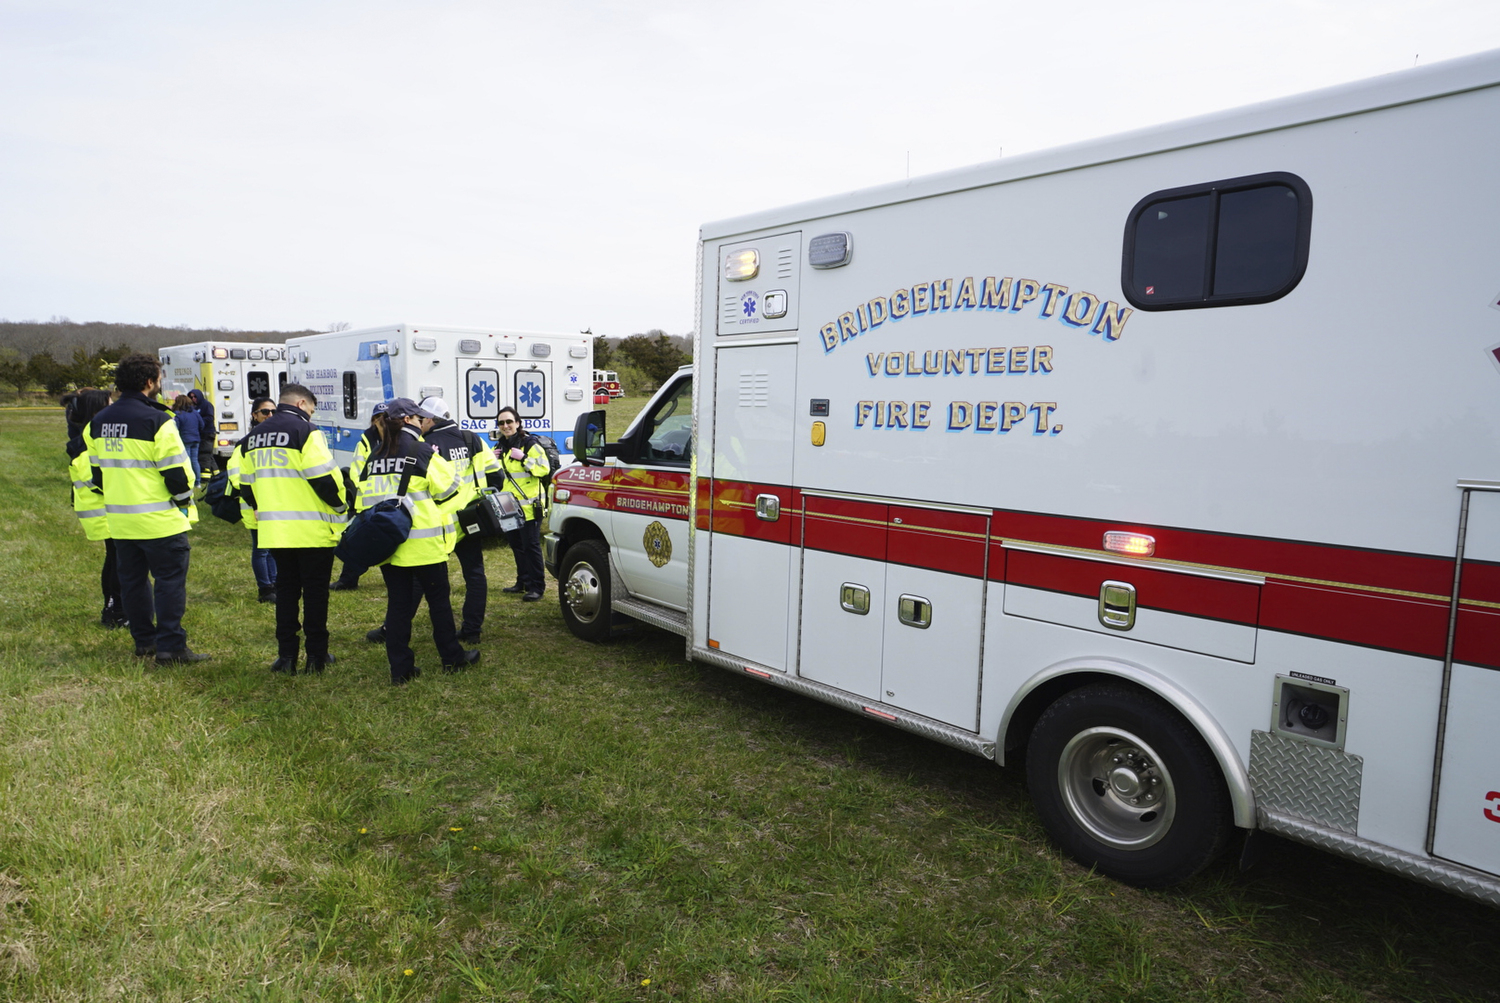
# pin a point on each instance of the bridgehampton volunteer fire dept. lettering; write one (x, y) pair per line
(1053, 301)
(1082, 310)
(977, 416)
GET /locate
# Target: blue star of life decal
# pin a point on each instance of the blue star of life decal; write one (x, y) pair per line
(748, 304)
(530, 394)
(483, 393)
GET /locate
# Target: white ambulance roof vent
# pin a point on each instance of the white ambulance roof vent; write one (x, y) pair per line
(830, 250)
(578, 352)
(505, 348)
(469, 346)
(540, 349)
(423, 345)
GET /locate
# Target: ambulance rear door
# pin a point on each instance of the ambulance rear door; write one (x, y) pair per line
(1467, 823)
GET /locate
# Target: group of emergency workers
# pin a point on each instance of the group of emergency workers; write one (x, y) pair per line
(133, 488)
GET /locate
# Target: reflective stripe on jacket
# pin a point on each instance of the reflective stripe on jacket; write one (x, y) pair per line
(232, 468)
(138, 461)
(88, 501)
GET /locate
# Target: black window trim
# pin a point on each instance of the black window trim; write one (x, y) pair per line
(1217, 189)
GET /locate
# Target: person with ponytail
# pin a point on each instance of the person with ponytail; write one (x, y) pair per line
(403, 463)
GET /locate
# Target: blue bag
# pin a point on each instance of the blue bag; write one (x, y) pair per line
(221, 499)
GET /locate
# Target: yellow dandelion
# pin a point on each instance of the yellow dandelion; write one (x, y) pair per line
(363, 831)
(645, 982)
(473, 847)
(410, 972)
(455, 828)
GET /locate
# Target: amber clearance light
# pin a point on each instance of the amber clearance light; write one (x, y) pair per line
(1133, 544)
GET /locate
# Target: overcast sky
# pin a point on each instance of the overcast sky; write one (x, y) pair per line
(545, 166)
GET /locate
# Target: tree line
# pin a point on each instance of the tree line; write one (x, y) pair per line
(59, 355)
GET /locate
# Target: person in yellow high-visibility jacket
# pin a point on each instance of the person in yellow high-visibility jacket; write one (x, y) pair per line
(476, 468)
(88, 503)
(141, 468)
(524, 463)
(289, 477)
(420, 565)
(262, 564)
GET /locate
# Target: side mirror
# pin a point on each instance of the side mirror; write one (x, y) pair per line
(588, 439)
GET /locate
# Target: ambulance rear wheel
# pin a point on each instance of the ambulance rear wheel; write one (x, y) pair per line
(1127, 787)
(584, 590)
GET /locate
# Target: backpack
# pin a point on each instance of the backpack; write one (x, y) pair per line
(221, 498)
(554, 460)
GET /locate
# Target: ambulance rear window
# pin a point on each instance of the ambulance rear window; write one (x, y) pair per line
(1224, 243)
(257, 384)
(351, 395)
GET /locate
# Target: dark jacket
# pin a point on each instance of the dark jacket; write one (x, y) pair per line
(205, 409)
(190, 427)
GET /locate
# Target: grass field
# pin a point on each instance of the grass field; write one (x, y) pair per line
(569, 822)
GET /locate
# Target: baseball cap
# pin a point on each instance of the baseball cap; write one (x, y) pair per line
(380, 408)
(405, 407)
(437, 406)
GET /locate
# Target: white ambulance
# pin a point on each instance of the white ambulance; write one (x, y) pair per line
(547, 378)
(231, 374)
(1171, 461)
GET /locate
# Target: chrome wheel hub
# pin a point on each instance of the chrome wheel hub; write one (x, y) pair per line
(581, 592)
(1116, 787)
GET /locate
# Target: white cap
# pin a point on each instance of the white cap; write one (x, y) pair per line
(437, 406)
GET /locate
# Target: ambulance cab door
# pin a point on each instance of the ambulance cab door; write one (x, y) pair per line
(750, 553)
(649, 495)
(1467, 827)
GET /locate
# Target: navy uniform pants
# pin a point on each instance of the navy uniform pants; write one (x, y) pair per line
(153, 586)
(404, 589)
(470, 556)
(302, 581)
(526, 544)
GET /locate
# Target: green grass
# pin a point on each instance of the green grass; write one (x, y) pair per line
(567, 822)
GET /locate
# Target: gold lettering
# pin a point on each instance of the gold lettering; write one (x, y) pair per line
(995, 297)
(1112, 320)
(966, 299)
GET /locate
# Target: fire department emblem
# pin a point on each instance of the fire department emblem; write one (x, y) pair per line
(658, 544)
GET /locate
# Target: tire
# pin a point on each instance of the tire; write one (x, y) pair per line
(1126, 786)
(583, 590)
